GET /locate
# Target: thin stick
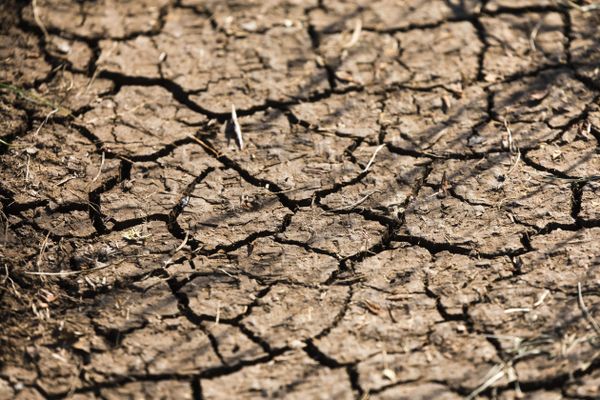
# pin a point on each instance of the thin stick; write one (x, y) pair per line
(207, 147)
(296, 189)
(542, 298)
(585, 310)
(51, 113)
(38, 20)
(237, 128)
(185, 240)
(66, 273)
(90, 82)
(534, 33)
(381, 146)
(351, 206)
(100, 170)
(515, 164)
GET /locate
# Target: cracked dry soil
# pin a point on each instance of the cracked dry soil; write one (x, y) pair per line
(415, 213)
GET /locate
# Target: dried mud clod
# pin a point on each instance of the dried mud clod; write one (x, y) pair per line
(299, 199)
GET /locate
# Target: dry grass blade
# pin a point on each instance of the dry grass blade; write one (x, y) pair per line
(534, 33)
(494, 375)
(237, 128)
(38, 20)
(541, 299)
(512, 168)
(355, 34)
(181, 246)
(35, 99)
(67, 273)
(381, 146)
(100, 169)
(6, 274)
(45, 121)
(585, 310)
(356, 203)
(510, 145)
(506, 369)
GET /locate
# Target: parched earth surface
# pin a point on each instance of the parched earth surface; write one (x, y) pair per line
(414, 212)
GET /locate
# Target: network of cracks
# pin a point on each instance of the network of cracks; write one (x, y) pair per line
(414, 213)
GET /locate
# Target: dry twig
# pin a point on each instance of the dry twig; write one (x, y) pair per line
(204, 145)
(381, 146)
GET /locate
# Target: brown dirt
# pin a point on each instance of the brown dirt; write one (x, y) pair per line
(415, 213)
